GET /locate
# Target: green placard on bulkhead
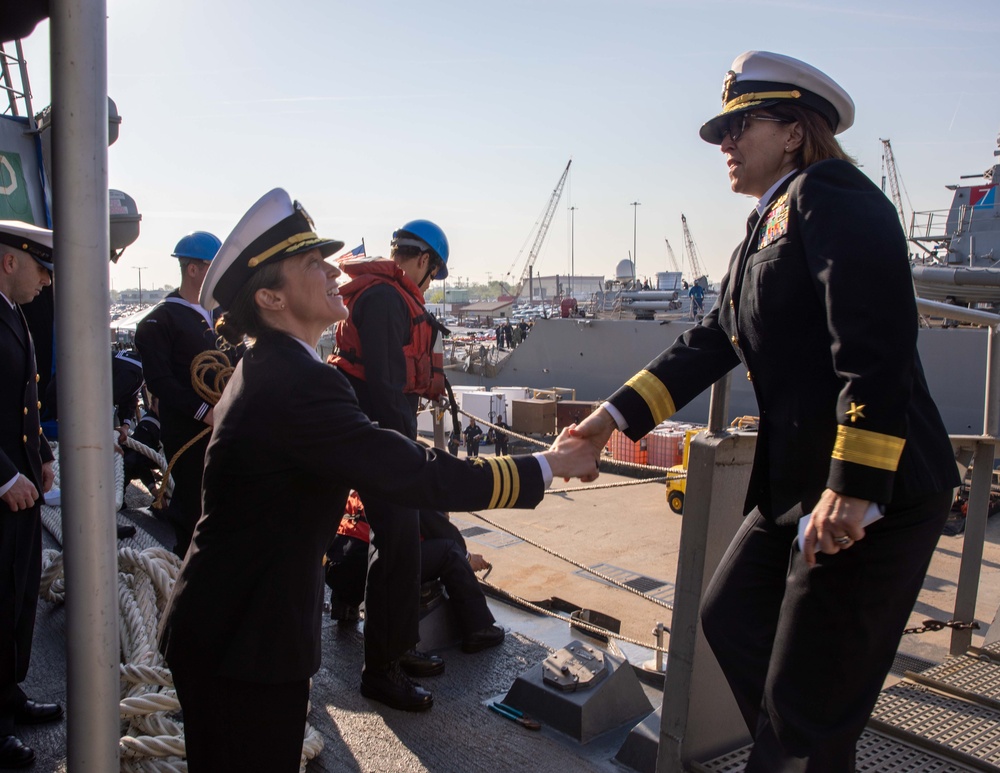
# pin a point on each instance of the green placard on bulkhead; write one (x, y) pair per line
(14, 202)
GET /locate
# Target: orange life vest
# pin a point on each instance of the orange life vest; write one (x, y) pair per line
(424, 366)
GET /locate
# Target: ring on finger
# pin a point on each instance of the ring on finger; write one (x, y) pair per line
(843, 540)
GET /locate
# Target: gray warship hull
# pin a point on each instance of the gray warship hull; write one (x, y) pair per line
(594, 357)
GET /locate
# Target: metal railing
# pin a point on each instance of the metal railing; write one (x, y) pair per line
(981, 449)
(929, 226)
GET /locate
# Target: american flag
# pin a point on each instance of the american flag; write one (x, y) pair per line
(357, 252)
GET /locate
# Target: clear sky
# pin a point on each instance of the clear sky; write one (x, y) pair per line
(465, 112)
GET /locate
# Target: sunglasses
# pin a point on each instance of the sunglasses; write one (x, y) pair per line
(738, 123)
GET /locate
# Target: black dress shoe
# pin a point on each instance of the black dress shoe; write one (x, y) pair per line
(419, 664)
(488, 637)
(124, 532)
(394, 688)
(34, 713)
(14, 754)
(343, 612)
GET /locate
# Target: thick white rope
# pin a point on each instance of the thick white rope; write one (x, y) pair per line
(152, 735)
(154, 456)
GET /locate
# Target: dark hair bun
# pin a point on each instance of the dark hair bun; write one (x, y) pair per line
(229, 332)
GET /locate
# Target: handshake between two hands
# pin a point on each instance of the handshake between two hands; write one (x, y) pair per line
(577, 450)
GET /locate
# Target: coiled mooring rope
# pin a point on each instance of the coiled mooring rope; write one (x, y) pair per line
(210, 372)
(167, 486)
(152, 738)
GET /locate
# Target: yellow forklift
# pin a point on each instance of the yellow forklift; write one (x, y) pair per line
(677, 475)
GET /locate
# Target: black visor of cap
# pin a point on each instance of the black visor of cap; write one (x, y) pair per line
(40, 252)
(286, 238)
(714, 130)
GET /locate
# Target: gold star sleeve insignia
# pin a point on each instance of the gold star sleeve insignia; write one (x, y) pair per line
(478, 462)
(856, 412)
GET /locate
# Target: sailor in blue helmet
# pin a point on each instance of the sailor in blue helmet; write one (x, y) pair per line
(169, 339)
(26, 473)
(818, 305)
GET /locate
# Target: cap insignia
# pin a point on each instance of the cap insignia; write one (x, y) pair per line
(727, 84)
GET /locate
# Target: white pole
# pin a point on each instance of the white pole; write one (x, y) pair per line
(80, 221)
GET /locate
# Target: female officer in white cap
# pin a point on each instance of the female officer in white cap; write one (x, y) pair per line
(242, 629)
(818, 305)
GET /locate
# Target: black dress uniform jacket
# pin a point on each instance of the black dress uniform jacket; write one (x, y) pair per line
(168, 339)
(818, 305)
(23, 449)
(289, 442)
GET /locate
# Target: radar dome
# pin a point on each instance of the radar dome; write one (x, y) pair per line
(624, 271)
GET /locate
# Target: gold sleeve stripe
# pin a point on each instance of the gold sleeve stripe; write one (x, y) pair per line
(505, 482)
(515, 481)
(871, 449)
(494, 467)
(654, 393)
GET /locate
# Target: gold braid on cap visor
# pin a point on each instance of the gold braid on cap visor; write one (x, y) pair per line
(758, 96)
(299, 240)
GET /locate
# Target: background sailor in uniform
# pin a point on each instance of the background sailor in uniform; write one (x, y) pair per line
(169, 339)
(25, 474)
(818, 304)
(242, 629)
(384, 349)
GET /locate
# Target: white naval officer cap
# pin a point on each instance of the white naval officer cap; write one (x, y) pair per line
(760, 79)
(273, 229)
(35, 241)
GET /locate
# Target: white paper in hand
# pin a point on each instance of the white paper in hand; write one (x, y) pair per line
(872, 514)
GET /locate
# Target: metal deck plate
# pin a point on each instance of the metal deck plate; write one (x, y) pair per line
(959, 725)
(651, 586)
(903, 663)
(484, 536)
(875, 752)
(968, 673)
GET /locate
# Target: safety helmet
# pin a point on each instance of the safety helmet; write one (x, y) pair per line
(425, 235)
(197, 245)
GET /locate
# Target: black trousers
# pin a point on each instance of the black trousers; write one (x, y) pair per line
(445, 559)
(232, 725)
(442, 559)
(805, 650)
(392, 593)
(20, 574)
(185, 503)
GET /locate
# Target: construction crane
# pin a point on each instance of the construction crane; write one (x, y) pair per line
(543, 229)
(670, 256)
(692, 253)
(889, 171)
